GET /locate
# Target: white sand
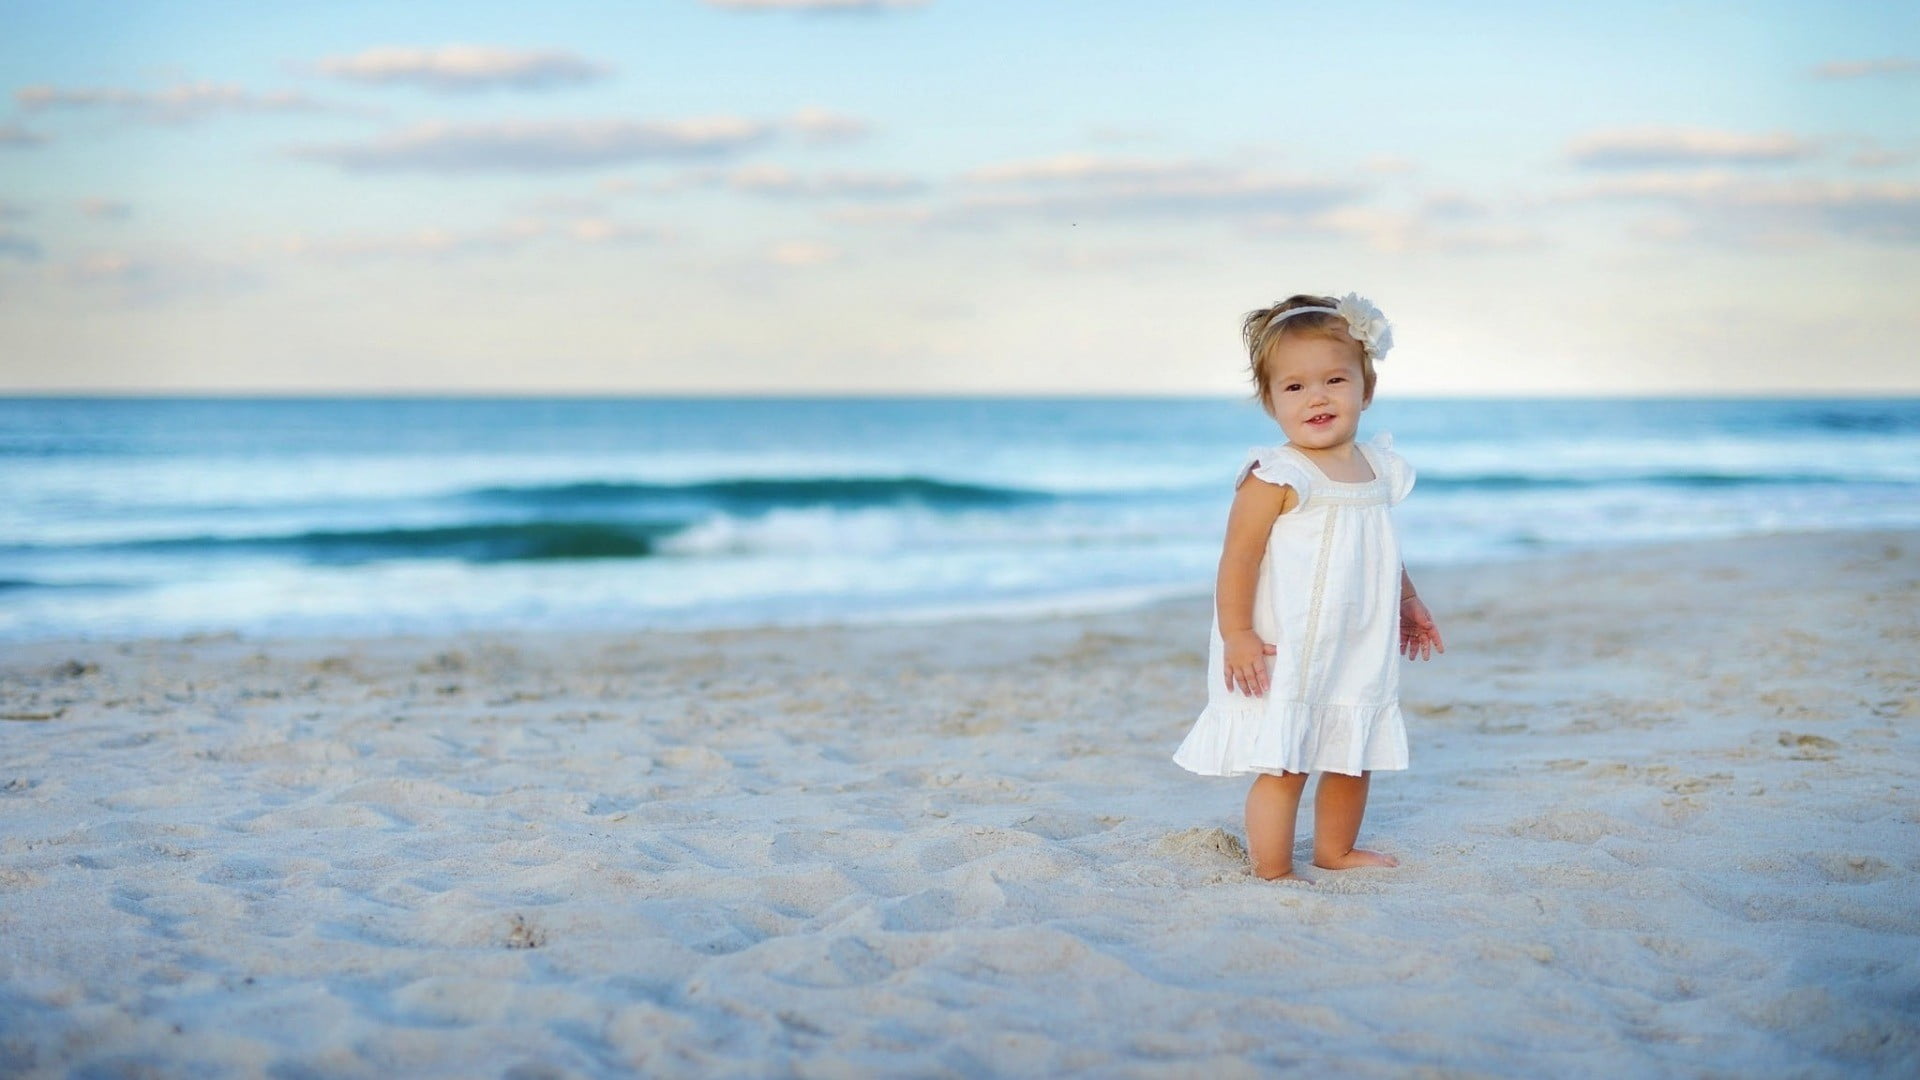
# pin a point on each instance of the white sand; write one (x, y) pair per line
(1661, 820)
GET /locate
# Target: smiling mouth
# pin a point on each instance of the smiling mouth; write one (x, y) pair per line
(1322, 418)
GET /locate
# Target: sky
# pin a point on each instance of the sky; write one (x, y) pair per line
(953, 196)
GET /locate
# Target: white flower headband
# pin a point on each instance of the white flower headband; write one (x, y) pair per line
(1364, 322)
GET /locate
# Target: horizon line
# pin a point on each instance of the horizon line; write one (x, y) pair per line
(922, 395)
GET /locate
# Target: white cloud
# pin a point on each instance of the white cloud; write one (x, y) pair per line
(1069, 186)
(764, 179)
(1856, 69)
(776, 180)
(673, 184)
(1677, 146)
(1452, 204)
(1653, 185)
(13, 135)
(1083, 168)
(149, 279)
(568, 204)
(1401, 232)
(16, 245)
(105, 209)
(1175, 197)
(424, 243)
(1737, 207)
(183, 103)
(817, 125)
(462, 67)
(537, 145)
(105, 266)
(1875, 157)
(435, 244)
(880, 215)
(605, 231)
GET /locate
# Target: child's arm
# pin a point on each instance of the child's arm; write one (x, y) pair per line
(1419, 637)
(1255, 506)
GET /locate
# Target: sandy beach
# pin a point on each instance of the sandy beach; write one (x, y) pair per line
(1663, 818)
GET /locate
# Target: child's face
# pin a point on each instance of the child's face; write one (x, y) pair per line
(1316, 390)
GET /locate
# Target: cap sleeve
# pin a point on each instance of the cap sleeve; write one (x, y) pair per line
(1274, 465)
(1399, 474)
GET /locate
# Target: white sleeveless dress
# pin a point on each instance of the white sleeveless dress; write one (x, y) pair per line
(1328, 599)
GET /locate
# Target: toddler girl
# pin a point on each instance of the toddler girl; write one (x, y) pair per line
(1310, 576)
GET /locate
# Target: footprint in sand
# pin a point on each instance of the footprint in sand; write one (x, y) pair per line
(1850, 869)
(20, 879)
(1809, 747)
(693, 758)
(967, 843)
(1064, 825)
(1570, 826)
(942, 908)
(841, 962)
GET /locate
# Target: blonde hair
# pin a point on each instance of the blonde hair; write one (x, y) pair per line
(1261, 335)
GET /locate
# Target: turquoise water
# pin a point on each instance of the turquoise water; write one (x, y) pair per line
(125, 516)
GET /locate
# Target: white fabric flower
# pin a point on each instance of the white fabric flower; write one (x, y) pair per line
(1366, 324)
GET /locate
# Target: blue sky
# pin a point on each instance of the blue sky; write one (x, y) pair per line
(953, 196)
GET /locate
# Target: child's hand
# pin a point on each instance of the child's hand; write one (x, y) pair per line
(1246, 662)
(1419, 637)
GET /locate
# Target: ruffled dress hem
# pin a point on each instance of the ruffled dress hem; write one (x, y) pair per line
(1239, 735)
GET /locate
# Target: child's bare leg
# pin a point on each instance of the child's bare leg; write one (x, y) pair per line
(1338, 805)
(1273, 804)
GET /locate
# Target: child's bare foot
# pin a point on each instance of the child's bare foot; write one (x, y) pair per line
(1284, 875)
(1356, 857)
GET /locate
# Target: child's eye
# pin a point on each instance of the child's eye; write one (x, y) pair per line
(1338, 378)
(1293, 386)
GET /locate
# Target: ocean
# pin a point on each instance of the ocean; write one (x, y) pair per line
(124, 517)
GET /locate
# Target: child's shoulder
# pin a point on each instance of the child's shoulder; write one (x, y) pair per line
(1395, 467)
(1277, 464)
